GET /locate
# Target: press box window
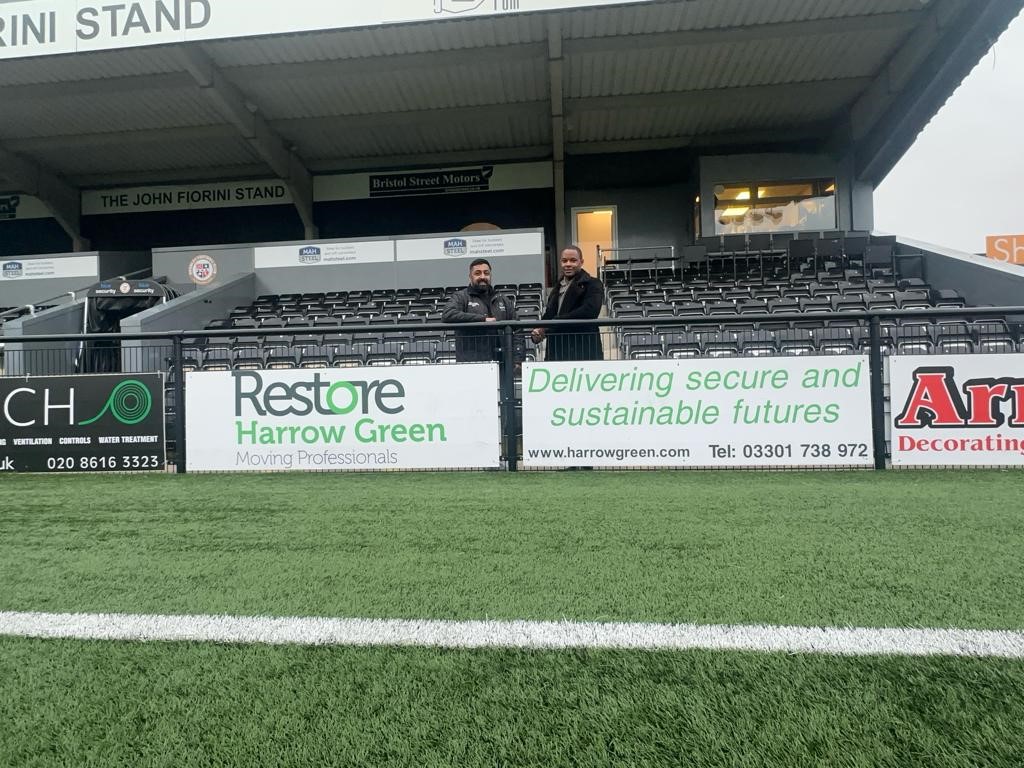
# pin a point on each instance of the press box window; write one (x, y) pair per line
(775, 206)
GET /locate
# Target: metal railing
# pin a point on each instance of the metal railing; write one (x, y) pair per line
(877, 334)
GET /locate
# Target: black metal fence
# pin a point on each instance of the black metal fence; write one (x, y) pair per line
(877, 334)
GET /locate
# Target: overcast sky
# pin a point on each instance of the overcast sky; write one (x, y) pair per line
(963, 178)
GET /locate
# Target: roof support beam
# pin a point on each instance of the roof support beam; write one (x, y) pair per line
(557, 83)
(62, 199)
(255, 129)
(918, 80)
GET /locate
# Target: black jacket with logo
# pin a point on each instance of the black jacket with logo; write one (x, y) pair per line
(583, 299)
(473, 305)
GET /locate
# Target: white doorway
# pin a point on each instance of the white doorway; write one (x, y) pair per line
(592, 227)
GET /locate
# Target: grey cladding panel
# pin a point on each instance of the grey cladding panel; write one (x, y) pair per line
(173, 263)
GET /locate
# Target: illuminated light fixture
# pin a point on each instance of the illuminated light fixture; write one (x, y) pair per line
(830, 188)
(696, 199)
(744, 195)
(729, 212)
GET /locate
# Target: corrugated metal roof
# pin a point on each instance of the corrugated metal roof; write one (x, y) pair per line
(716, 14)
(649, 70)
(385, 41)
(396, 98)
(91, 113)
(322, 140)
(130, 157)
(488, 83)
(713, 117)
(89, 66)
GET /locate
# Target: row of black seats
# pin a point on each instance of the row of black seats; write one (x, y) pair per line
(375, 305)
(318, 356)
(382, 294)
(922, 326)
(330, 353)
(842, 247)
(315, 339)
(755, 277)
(819, 305)
(940, 297)
(410, 317)
(948, 338)
(834, 241)
(795, 280)
(378, 307)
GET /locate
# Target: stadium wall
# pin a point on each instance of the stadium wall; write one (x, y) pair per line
(981, 280)
(18, 291)
(647, 216)
(443, 270)
(187, 312)
(196, 309)
(173, 263)
(46, 358)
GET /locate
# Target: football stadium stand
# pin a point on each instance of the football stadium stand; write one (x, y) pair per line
(292, 341)
(229, 232)
(311, 190)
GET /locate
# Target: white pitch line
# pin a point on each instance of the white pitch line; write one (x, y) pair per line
(843, 641)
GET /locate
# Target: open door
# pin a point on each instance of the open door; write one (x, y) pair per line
(593, 227)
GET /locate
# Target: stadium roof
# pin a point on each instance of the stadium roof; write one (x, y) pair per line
(864, 75)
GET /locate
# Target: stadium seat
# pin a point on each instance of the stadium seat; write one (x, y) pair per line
(834, 341)
(683, 345)
(757, 343)
(642, 346)
(795, 342)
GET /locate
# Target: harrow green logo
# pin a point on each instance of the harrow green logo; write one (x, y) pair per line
(129, 403)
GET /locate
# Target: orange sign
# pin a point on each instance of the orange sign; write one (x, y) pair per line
(1006, 248)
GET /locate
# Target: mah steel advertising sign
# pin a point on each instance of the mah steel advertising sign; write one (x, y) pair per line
(419, 417)
(96, 423)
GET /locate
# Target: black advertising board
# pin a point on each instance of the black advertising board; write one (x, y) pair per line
(126, 289)
(97, 423)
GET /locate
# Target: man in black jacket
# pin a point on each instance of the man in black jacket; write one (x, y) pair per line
(576, 296)
(479, 303)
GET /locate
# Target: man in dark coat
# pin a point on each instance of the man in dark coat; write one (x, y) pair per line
(576, 296)
(479, 303)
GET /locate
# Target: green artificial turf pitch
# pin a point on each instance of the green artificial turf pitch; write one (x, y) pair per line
(936, 549)
(119, 704)
(871, 549)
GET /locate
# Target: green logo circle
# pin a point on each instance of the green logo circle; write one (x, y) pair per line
(353, 395)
